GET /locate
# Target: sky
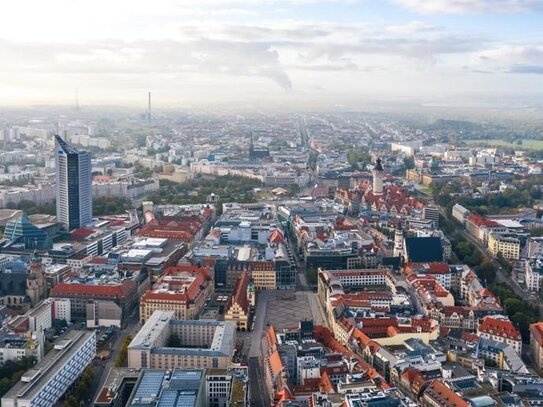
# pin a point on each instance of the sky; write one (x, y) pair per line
(256, 51)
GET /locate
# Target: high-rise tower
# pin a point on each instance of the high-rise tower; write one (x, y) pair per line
(74, 185)
(378, 178)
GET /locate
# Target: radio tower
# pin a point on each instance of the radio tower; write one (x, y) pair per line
(76, 99)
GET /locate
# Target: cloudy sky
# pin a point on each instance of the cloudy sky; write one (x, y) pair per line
(217, 51)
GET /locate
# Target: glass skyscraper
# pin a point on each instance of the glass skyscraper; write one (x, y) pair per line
(74, 185)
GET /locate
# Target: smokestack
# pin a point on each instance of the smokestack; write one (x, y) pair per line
(149, 112)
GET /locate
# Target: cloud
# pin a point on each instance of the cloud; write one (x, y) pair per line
(233, 58)
(521, 59)
(237, 49)
(471, 6)
(413, 27)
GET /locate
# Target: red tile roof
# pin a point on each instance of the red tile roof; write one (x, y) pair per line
(81, 233)
(499, 327)
(536, 331)
(183, 230)
(191, 290)
(479, 221)
(325, 336)
(444, 396)
(239, 295)
(276, 237)
(448, 311)
(94, 291)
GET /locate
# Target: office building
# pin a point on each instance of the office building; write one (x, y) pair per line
(184, 388)
(74, 185)
(183, 289)
(200, 344)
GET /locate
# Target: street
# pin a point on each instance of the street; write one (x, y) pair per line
(101, 370)
(501, 275)
(258, 393)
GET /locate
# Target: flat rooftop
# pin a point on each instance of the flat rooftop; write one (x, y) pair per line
(41, 374)
(161, 388)
(221, 345)
(114, 380)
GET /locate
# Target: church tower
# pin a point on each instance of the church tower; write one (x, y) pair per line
(398, 243)
(35, 281)
(378, 178)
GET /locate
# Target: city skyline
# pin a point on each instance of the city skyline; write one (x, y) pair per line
(310, 51)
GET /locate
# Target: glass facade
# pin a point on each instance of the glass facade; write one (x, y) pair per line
(74, 185)
(22, 231)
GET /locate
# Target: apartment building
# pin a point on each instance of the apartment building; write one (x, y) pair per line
(508, 247)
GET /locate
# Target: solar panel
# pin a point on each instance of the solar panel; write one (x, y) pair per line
(168, 399)
(186, 399)
(149, 385)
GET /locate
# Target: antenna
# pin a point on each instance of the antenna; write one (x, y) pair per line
(149, 111)
(76, 99)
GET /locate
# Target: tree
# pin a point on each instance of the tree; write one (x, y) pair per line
(123, 353)
(58, 324)
(71, 401)
(409, 163)
(12, 370)
(110, 206)
(294, 189)
(174, 341)
(355, 156)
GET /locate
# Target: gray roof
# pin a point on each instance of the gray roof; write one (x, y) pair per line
(48, 367)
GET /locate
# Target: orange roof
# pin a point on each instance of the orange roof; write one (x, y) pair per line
(123, 290)
(444, 396)
(276, 364)
(479, 221)
(240, 292)
(449, 310)
(537, 332)
(325, 384)
(325, 336)
(271, 337)
(499, 327)
(283, 395)
(192, 290)
(276, 237)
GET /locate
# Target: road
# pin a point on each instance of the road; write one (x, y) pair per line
(501, 275)
(415, 300)
(301, 280)
(319, 317)
(258, 392)
(257, 388)
(102, 371)
(259, 324)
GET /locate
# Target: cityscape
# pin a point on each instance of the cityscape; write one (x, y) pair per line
(273, 245)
